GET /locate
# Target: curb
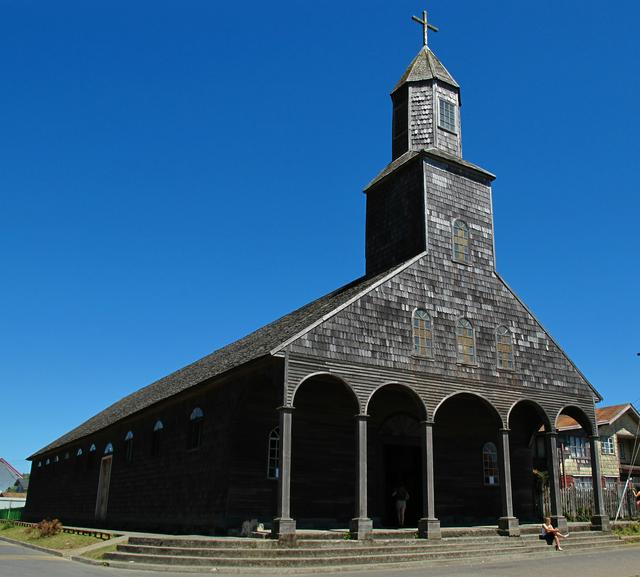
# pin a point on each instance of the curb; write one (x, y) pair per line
(89, 561)
(32, 546)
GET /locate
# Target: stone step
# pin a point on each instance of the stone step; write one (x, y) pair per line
(261, 544)
(371, 551)
(512, 555)
(390, 557)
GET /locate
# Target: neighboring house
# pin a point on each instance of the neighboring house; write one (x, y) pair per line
(618, 426)
(8, 475)
(22, 485)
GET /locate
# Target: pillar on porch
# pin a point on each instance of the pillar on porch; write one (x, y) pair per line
(284, 527)
(599, 520)
(428, 526)
(507, 524)
(361, 526)
(557, 518)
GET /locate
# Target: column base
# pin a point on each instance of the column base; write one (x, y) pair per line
(284, 530)
(429, 529)
(560, 522)
(600, 523)
(509, 526)
(361, 528)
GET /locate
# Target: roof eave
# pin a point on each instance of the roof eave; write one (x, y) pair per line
(433, 153)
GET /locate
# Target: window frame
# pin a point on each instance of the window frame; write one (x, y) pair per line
(273, 454)
(128, 447)
(443, 123)
(490, 465)
(462, 359)
(454, 257)
(156, 438)
(428, 350)
(509, 332)
(607, 442)
(194, 436)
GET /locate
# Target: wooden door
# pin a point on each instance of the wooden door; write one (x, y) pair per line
(102, 499)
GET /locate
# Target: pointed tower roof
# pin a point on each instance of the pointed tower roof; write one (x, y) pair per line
(426, 66)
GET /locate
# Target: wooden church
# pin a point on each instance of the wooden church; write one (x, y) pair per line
(427, 372)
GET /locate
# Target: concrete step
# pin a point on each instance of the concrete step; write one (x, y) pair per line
(421, 555)
(470, 561)
(353, 548)
(262, 544)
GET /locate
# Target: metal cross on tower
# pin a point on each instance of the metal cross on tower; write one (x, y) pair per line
(425, 27)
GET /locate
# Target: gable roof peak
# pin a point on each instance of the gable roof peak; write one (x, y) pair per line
(426, 66)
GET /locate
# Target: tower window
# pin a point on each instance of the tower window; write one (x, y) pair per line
(447, 116)
(195, 428)
(466, 341)
(504, 348)
(461, 241)
(273, 454)
(490, 464)
(422, 333)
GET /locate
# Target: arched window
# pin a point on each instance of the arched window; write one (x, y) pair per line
(79, 452)
(91, 457)
(128, 446)
(504, 347)
(39, 463)
(155, 439)
(422, 333)
(461, 241)
(47, 462)
(56, 459)
(195, 428)
(490, 464)
(108, 450)
(273, 454)
(466, 340)
(66, 455)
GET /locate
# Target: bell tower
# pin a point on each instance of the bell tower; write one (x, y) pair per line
(426, 104)
(428, 191)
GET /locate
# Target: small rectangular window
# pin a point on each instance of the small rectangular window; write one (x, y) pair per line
(607, 447)
(447, 116)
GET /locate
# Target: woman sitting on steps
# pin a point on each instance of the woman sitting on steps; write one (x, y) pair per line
(550, 534)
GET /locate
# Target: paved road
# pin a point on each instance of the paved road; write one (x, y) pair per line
(16, 561)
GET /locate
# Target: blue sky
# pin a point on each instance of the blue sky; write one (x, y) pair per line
(174, 175)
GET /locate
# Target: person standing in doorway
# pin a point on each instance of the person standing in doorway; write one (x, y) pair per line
(401, 496)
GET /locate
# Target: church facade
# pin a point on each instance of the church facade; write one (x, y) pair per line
(427, 372)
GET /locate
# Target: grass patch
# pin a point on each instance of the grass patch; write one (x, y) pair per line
(60, 542)
(628, 530)
(98, 553)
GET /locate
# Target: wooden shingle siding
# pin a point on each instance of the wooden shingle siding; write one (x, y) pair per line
(370, 341)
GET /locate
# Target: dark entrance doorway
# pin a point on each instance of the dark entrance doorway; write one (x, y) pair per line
(395, 454)
(402, 466)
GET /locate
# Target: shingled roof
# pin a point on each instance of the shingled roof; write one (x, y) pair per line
(426, 66)
(604, 416)
(258, 344)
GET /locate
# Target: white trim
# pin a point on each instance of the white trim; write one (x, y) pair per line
(344, 305)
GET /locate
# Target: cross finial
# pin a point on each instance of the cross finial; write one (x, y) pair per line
(425, 27)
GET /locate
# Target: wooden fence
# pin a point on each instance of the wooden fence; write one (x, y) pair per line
(577, 503)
